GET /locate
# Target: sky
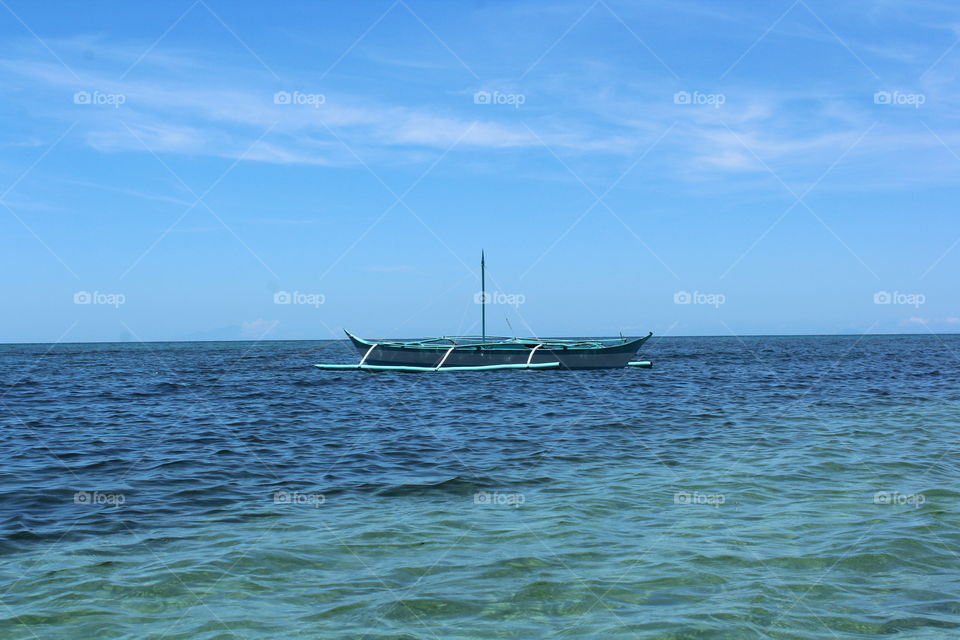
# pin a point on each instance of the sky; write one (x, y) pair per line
(239, 170)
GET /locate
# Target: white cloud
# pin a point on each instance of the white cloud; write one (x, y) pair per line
(186, 114)
(175, 103)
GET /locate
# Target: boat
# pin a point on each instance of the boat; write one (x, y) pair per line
(485, 353)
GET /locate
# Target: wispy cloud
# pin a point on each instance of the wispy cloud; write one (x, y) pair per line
(130, 192)
(177, 103)
(193, 114)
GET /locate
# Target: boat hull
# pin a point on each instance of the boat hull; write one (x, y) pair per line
(614, 356)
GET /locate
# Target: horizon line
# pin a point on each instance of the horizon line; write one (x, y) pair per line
(738, 335)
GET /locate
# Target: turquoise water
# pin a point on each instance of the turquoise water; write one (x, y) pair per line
(763, 487)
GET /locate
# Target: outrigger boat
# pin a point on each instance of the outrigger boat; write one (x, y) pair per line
(485, 353)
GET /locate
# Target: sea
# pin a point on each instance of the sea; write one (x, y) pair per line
(788, 487)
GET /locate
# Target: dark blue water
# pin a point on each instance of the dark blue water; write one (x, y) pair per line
(765, 487)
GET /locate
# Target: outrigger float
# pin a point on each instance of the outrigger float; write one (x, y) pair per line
(490, 353)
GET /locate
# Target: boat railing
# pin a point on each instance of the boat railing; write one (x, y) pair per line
(463, 342)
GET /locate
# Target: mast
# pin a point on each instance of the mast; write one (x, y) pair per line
(483, 298)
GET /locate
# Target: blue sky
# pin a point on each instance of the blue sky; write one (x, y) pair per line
(224, 170)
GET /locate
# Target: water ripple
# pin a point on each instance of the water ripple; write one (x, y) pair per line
(775, 487)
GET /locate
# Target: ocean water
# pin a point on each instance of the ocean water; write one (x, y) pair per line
(756, 487)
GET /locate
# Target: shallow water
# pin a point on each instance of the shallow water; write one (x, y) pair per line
(758, 487)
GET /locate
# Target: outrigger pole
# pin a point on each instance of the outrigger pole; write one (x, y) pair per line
(483, 298)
